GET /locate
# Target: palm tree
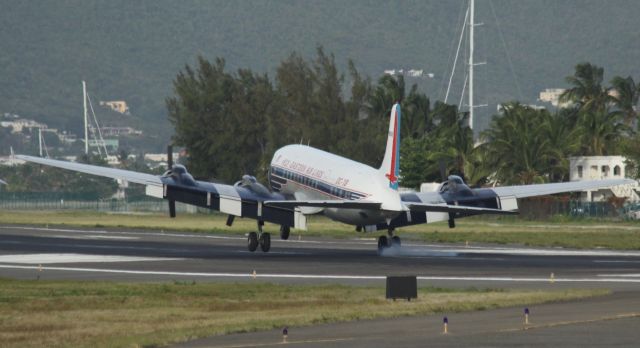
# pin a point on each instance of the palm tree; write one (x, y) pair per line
(517, 146)
(600, 131)
(564, 141)
(587, 92)
(626, 97)
(453, 139)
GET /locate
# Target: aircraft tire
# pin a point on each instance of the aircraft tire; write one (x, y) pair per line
(265, 242)
(396, 242)
(252, 241)
(284, 232)
(383, 243)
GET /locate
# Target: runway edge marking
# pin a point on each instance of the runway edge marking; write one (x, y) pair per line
(312, 276)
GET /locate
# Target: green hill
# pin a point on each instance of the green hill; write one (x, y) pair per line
(132, 50)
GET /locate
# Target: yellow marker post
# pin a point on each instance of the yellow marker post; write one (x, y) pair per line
(254, 274)
(445, 323)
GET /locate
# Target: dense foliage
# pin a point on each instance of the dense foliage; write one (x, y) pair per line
(232, 122)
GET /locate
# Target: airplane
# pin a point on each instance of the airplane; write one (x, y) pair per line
(304, 180)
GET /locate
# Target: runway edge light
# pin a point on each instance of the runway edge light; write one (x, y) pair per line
(445, 323)
(526, 316)
(285, 334)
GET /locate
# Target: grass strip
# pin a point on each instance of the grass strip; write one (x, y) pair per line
(107, 314)
(587, 234)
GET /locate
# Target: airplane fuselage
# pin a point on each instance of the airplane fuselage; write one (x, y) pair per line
(307, 173)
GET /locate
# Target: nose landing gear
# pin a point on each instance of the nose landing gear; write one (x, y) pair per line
(385, 242)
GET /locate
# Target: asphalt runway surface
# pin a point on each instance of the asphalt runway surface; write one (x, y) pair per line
(28, 252)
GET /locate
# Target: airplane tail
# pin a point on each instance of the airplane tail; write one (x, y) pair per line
(391, 162)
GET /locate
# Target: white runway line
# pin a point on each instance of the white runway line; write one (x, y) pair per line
(36, 259)
(312, 276)
(96, 237)
(627, 275)
(545, 252)
(615, 261)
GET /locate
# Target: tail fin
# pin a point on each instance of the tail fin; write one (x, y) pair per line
(391, 162)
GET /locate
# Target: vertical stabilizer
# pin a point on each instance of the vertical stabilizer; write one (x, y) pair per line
(391, 162)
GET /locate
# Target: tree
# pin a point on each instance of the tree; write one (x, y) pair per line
(599, 125)
(517, 145)
(587, 92)
(564, 140)
(220, 119)
(625, 97)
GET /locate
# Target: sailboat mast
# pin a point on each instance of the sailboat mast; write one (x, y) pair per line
(40, 139)
(86, 133)
(471, 25)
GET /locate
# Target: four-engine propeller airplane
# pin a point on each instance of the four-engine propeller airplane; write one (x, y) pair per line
(305, 180)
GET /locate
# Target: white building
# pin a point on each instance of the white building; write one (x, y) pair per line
(602, 167)
(18, 125)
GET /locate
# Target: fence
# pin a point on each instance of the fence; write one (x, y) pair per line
(533, 208)
(86, 201)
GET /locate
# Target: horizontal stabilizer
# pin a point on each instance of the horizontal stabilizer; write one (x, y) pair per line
(325, 204)
(445, 208)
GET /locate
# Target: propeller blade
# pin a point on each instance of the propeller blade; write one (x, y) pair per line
(443, 170)
(172, 208)
(172, 202)
(169, 157)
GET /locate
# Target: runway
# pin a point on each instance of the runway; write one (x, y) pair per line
(70, 253)
(28, 252)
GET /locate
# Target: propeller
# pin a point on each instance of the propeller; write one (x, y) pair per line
(172, 202)
(443, 170)
(445, 179)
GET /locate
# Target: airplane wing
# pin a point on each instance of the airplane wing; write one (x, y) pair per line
(523, 191)
(235, 200)
(128, 175)
(325, 204)
(2, 182)
(448, 208)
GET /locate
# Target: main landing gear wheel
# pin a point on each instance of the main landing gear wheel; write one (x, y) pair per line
(252, 241)
(265, 242)
(395, 241)
(383, 243)
(284, 232)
